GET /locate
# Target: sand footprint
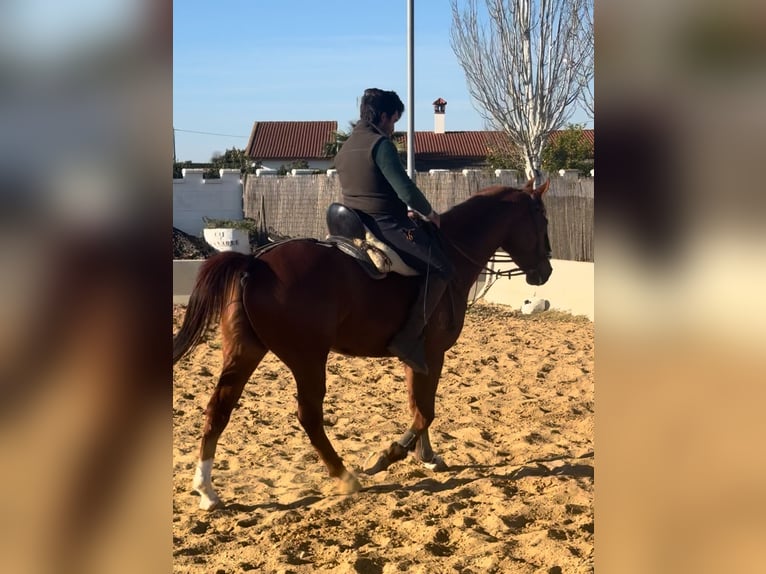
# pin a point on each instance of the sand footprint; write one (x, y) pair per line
(440, 545)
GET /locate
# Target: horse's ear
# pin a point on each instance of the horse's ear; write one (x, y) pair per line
(529, 187)
(542, 189)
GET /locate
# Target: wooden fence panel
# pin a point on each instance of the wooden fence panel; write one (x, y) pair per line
(295, 206)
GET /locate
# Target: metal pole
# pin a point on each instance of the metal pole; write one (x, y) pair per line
(411, 88)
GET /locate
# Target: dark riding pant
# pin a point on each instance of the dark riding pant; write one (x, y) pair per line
(418, 246)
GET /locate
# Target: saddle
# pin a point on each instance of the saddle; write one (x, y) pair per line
(349, 234)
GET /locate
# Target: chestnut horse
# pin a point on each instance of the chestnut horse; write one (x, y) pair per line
(302, 298)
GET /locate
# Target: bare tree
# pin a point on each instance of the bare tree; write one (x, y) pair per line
(524, 62)
(586, 99)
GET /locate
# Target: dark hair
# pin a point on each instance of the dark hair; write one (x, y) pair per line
(376, 102)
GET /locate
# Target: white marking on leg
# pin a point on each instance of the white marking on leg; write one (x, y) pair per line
(203, 484)
(426, 455)
(436, 463)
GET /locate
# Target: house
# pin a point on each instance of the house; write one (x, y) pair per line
(442, 149)
(277, 144)
(454, 150)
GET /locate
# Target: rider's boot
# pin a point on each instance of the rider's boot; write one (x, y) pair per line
(407, 344)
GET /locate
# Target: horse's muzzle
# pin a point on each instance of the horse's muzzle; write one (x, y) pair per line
(540, 274)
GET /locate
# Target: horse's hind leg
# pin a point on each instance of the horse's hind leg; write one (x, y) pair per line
(241, 352)
(310, 378)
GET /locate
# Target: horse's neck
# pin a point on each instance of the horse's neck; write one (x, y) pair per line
(471, 246)
(477, 232)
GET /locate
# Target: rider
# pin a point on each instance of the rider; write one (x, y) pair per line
(376, 186)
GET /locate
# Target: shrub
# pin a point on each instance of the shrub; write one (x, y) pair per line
(569, 150)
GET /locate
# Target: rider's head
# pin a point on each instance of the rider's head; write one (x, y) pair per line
(381, 108)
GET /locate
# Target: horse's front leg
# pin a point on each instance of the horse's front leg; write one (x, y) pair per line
(422, 395)
(425, 454)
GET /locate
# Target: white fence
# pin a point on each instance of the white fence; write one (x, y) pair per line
(195, 198)
(569, 289)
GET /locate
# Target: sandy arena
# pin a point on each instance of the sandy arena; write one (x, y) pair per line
(514, 423)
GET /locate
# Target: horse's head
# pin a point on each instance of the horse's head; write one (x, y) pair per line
(527, 241)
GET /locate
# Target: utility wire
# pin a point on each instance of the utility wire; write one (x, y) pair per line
(208, 133)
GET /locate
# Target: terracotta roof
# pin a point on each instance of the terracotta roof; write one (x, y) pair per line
(589, 136)
(306, 140)
(473, 145)
(290, 140)
(465, 144)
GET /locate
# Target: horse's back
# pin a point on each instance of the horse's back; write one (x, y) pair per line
(298, 261)
(309, 288)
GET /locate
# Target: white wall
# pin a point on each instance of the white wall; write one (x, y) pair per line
(322, 164)
(570, 288)
(184, 275)
(194, 197)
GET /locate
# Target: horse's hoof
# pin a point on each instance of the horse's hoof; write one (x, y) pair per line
(375, 463)
(348, 484)
(208, 499)
(436, 464)
(209, 504)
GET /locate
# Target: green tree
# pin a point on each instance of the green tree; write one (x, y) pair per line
(178, 167)
(297, 164)
(500, 158)
(332, 147)
(568, 150)
(400, 142)
(234, 158)
(338, 138)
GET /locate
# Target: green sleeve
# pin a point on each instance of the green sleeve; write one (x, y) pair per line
(387, 160)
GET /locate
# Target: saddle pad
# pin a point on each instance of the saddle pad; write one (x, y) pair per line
(384, 257)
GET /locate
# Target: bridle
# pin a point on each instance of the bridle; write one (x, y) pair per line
(499, 258)
(505, 257)
(489, 269)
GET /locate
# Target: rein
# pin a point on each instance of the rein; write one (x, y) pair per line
(489, 269)
(502, 258)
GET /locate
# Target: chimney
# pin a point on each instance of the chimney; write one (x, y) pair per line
(439, 106)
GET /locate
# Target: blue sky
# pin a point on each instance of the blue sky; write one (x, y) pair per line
(237, 62)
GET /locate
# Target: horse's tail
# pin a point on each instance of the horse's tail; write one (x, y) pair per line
(216, 285)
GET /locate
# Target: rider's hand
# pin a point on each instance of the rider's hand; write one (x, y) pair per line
(436, 219)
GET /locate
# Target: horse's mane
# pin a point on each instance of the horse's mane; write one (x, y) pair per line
(476, 207)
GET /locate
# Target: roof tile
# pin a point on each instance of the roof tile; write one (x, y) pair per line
(473, 144)
(307, 139)
(290, 140)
